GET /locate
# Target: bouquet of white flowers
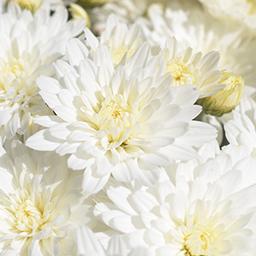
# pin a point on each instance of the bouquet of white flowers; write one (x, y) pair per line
(127, 128)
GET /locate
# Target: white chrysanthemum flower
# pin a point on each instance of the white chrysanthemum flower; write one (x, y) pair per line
(194, 28)
(117, 117)
(197, 30)
(205, 210)
(188, 67)
(241, 127)
(41, 204)
(29, 45)
(203, 33)
(243, 11)
(122, 41)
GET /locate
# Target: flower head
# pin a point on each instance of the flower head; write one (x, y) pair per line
(192, 68)
(39, 199)
(123, 114)
(193, 211)
(29, 45)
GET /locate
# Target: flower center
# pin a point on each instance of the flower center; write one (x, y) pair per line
(26, 215)
(198, 241)
(252, 6)
(13, 83)
(10, 70)
(180, 72)
(115, 109)
(114, 119)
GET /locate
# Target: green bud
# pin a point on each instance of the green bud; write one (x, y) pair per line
(227, 99)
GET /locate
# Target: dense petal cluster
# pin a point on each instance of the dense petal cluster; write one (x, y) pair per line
(41, 203)
(29, 45)
(198, 211)
(127, 128)
(117, 113)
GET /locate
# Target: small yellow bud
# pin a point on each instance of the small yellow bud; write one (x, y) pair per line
(227, 99)
(31, 5)
(92, 3)
(77, 12)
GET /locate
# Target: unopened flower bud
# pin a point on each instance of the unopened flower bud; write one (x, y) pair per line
(227, 99)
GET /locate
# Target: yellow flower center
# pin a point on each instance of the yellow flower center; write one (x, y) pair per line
(13, 82)
(114, 109)
(116, 114)
(252, 6)
(12, 69)
(114, 117)
(180, 72)
(27, 215)
(198, 241)
(15, 68)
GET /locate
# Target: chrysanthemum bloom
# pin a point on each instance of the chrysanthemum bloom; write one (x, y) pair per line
(122, 40)
(188, 67)
(116, 117)
(41, 205)
(194, 28)
(241, 128)
(204, 210)
(29, 45)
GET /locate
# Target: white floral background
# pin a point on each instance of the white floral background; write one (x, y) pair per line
(128, 128)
